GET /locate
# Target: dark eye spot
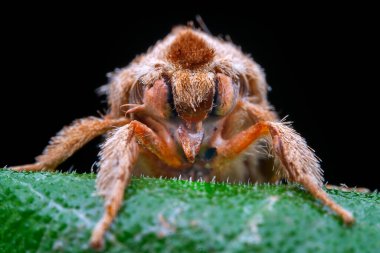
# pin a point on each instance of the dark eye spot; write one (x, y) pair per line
(170, 92)
(215, 99)
(225, 96)
(210, 153)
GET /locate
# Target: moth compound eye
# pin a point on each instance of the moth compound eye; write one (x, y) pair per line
(158, 99)
(225, 97)
(169, 97)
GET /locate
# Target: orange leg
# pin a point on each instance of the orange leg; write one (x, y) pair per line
(148, 139)
(69, 140)
(118, 155)
(299, 163)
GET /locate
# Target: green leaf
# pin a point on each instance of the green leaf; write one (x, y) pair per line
(55, 212)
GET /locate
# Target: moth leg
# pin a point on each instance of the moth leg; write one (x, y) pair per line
(345, 188)
(117, 158)
(298, 162)
(148, 139)
(118, 155)
(69, 140)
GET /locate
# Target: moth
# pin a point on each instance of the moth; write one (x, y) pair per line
(193, 106)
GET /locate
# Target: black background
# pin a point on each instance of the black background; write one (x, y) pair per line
(320, 61)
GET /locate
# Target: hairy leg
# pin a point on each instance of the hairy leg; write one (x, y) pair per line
(69, 140)
(345, 188)
(298, 162)
(118, 156)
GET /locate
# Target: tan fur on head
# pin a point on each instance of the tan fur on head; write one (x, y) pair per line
(192, 51)
(189, 50)
(191, 88)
